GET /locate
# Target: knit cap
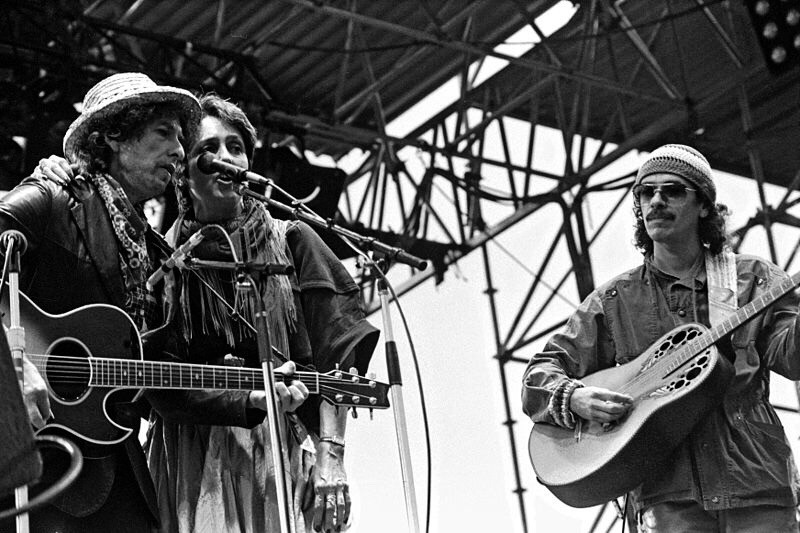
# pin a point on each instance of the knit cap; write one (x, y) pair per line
(683, 161)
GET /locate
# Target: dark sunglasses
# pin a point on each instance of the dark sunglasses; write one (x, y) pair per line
(669, 191)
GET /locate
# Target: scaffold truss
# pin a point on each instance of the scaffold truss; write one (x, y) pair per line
(618, 77)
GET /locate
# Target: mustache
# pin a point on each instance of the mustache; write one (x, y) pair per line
(659, 214)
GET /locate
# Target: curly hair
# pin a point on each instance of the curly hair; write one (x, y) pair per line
(94, 153)
(711, 230)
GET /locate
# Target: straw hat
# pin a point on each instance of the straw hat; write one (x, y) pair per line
(118, 91)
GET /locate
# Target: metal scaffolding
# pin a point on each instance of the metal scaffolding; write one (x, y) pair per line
(619, 77)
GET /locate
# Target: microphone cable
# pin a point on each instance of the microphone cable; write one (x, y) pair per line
(417, 373)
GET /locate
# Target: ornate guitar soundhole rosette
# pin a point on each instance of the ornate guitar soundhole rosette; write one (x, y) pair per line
(694, 368)
(697, 366)
(672, 343)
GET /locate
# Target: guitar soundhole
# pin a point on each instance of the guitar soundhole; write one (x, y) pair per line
(68, 369)
(696, 368)
(673, 342)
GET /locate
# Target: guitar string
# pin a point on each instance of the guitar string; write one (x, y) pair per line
(693, 346)
(328, 389)
(87, 362)
(63, 367)
(65, 374)
(632, 386)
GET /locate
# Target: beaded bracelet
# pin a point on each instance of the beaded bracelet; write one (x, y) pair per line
(558, 407)
(568, 418)
(554, 406)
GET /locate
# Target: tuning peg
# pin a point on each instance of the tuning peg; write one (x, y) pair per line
(354, 412)
(370, 414)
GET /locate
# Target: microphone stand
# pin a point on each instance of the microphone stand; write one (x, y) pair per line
(276, 435)
(398, 408)
(244, 280)
(16, 343)
(305, 214)
(393, 367)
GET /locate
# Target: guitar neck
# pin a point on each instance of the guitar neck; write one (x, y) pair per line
(742, 315)
(127, 373)
(754, 308)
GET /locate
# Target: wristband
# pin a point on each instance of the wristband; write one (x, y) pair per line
(567, 416)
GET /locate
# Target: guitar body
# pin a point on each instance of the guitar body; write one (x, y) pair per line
(601, 463)
(79, 409)
(91, 358)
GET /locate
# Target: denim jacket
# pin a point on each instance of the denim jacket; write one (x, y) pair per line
(738, 455)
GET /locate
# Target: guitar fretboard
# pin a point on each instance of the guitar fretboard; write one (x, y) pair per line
(742, 315)
(127, 373)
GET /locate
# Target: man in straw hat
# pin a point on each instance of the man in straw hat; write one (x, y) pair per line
(734, 470)
(319, 324)
(88, 242)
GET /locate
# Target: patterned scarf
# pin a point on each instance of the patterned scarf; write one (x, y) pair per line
(135, 264)
(256, 237)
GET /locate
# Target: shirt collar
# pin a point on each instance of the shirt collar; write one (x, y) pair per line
(698, 268)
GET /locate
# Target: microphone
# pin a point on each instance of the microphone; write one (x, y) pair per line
(176, 259)
(15, 238)
(208, 164)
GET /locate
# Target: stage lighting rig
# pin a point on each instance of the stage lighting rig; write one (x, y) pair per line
(777, 27)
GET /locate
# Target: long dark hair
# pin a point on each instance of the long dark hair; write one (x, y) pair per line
(711, 230)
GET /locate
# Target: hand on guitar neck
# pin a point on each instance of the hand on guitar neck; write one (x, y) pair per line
(599, 405)
(290, 397)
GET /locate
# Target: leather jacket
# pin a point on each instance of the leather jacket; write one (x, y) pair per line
(71, 260)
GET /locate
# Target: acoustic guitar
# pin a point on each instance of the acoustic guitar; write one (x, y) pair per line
(674, 384)
(91, 357)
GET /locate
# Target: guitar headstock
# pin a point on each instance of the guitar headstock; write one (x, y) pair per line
(351, 390)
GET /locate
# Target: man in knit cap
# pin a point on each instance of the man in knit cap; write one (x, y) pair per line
(734, 470)
(89, 243)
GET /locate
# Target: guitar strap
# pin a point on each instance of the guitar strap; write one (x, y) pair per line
(721, 279)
